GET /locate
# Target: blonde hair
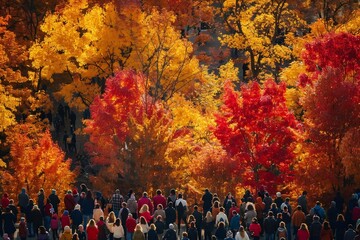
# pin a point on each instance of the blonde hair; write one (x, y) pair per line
(111, 217)
(152, 226)
(144, 208)
(91, 223)
(138, 227)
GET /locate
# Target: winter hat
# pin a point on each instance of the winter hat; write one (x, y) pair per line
(77, 207)
(171, 226)
(22, 219)
(53, 191)
(74, 191)
(333, 203)
(67, 229)
(66, 212)
(278, 194)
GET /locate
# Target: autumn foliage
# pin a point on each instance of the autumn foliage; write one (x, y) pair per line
(258, 133)
(36, 162)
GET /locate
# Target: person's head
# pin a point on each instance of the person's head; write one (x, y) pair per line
(318, 203)
(159, 218)
(299, 208)
(279, 215)
(208, 215)
(75, 236)
(138, 227)
(101, 218)
(144, 208)
(316, 218)
(81, 228)
(67, 229)
(142, 220)
(11, 202)
(270, 214)
(255, 220)
(158, 192)
(97, 206)
(192, 224)
(170, 204)
(222, 209)
(350, 226)
(303, 226)
(273, 206)
(282, 224)
(250, 207)
(172, 191)
(160, 206)
(304, 193)
(216, 204)
(111, 217)
(117, 222)
(42, 230)
(66, 212)
(91, 223)
(88, 194)
(77, 207)
(145, 194)
(340, 218)
(326, 225)
(196, 207)
(285, 208)
(242, 231)
(278, 194)
(117, 191)
(130, 215)
(185, 234)
(124, 204)
(171, 226)
(22, 219)
(221, 224)
(234, 213)
(152, 226)
(180, 195)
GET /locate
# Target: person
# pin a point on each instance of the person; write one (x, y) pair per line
(22, 229)
(332, 214)
(110, 221)
(255, 229)
(118, 230)
(102, 228)
(144, 226)
(81, 232)
(281, 231)
(138, 234)
(185, 236)
(37, 219)
(278, 200)
(302, 201)
(65, 219)
(41, 204)
(192, 231)
(231, 211)
(303, 232)
(315, 228)
(160, 227)
(12, 208)
(228, 202)
(132, 205)
(207, 201)
(159, 211)
(350, 233)
(208, 225)
(274, 209)
(87, 206)
(159, 198)
(222, 217)
(181, 208)
(249, 214)
(215, 209)
(267, 201)
(23, 200)
(318, 211)
(170, 213)
(198, 219)
(152, 235)
(54, 225)
(9, 220)
(286, 217)
(297, 218)
(172, 197)
(145, 200)
(54, 200)
(242, 234)
(259, 207)
(69, 201)
(66, 235)
(145, 213)
(326, 232)
(75, 236)
(116, 201)
(220, 232)
(340, 227)
(92, 230)
(76, 217)
(43, 234)
(29, 219)
(130, 227)
(270, 226)
(97, 212)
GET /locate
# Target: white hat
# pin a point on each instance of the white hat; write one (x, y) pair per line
(171, 226)
(278, 194)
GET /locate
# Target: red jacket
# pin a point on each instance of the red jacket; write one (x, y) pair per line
(303, 235)
(92, 233)
(5, 201)
(130, 225)
(255, 228)
(69, 202)
(159, 199)
(65, 221)
(145, 200)
(147, 216)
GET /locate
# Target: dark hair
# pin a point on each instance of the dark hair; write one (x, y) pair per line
(195, 207)
(326, 225)
(250, 207)
(42, 230)
(172, 191)
(142, 220)
(117, 222)
(158, 192)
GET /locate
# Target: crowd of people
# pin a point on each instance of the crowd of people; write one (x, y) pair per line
(89, 215)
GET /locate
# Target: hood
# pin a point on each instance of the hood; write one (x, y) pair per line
(259, 200)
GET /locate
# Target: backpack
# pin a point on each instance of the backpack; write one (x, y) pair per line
(282, 234)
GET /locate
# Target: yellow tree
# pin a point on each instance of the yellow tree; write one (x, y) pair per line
(134, 39)
(257, 30)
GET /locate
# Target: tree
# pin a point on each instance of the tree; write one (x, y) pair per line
(135, 39)
(331, 107)
(259, 29)
(258, 134)
(36, 162)
(135, 128)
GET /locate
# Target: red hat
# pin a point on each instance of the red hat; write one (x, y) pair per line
(75, 191)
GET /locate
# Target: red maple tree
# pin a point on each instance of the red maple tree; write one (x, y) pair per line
(258, 133)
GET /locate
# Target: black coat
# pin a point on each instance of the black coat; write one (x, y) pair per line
(170, 215)
(270, 225)
(9, 223)
(37, 218)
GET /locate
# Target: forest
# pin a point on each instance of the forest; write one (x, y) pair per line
(188, 94)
